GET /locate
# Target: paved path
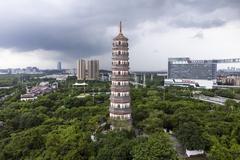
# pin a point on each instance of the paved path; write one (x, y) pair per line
(177, 146)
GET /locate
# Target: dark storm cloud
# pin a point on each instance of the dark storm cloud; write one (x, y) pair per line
(67, 39)
(79, 28)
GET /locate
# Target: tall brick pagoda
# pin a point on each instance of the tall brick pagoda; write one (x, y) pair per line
(120, 106)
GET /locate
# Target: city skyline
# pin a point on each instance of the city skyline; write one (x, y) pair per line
(68, 30)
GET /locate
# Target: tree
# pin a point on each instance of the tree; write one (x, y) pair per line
(235, 151)
(155, 147)
(114, 146)
(24, 143)
(67, 142)
(219, 152)
(153, 123)
(225, 93)
(26, 120)
(237, 132)
(231, 104)
(191, 136)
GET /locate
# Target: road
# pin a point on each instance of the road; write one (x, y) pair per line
(216, 100)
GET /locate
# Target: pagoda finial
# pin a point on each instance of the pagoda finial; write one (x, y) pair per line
(120, 27)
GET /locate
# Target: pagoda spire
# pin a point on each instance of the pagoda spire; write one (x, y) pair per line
(120, 26)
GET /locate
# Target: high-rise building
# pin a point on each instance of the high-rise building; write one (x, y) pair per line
(59, 66)
(81, 69)
(120, 107)
(185, 68)
(89, 70)
(196, 73)
(93, 70)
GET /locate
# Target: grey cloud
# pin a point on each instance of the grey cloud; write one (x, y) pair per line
(199, 35)
(198, 23)
(206, 6)
(81, 41)
(79, 29)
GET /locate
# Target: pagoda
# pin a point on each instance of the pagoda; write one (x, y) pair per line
(120, 106)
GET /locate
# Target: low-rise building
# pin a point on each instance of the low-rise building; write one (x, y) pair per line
(42, 88)
(28, 97)
(229, 80)
(196, 83)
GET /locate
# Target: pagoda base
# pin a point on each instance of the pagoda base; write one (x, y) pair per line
(117, 124)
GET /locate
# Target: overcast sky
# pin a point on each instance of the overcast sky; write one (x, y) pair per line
(42, 32)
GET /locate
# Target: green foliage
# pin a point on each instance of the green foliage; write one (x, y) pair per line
(59, 125)
(153, 123)
(115, 146)
(222, 152)
(219, 152)
(208, 93)
(225, 93)
(67, 142)
(8, 80)
(23, 144)
(231, 104)
(155, 147)
(228, 93)
(193, 122)
(191, 136)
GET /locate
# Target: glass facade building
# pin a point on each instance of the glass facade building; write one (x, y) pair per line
(185, 68)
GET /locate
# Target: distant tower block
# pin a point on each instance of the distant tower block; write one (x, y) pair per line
(120, 107)
(144, 80)
(151, 77)
(136, 80)
(59, 66)
(81, 69)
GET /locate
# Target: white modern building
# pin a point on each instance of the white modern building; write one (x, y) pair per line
(196, 83)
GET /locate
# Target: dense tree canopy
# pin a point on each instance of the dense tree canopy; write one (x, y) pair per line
(155, 147)
(60, 125)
